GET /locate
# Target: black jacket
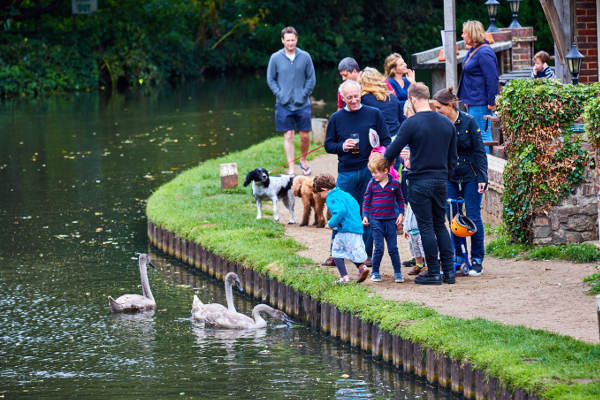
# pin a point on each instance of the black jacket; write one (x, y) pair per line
(472, 161)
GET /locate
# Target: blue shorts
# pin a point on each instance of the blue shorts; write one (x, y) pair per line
(286, 120)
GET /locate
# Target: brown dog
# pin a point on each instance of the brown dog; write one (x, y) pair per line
(303, 188)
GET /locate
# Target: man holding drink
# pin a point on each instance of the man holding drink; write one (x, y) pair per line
(348, 137)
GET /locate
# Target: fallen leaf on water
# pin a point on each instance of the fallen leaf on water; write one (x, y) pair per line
(99, 229)
(345, 376)
(162, 310)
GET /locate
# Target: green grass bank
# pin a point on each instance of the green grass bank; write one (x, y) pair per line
(194, 207)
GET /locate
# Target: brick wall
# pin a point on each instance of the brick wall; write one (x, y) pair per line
(522, 46)
(587, 39)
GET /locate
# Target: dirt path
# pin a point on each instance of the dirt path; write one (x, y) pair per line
(547, 295)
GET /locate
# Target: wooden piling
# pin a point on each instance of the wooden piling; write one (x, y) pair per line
(386, 348)
(355, 332)
(456, 376)
(288, 300)
(204, 259)
(377, 342)
(397, 351)
(419, 360)
(273, 287)
(256, 283)
(178, 247)
(264, 288)
(159, 237)
(296, 309)
(249, 282)
(407, 356)
(345, 327)
(334, 321)
(171, 244)
(468, 380)
(325, 317)
(443, 368)
(365, 336)
(430, 365)
(481, 386)
(315, 313)
(149, 230)
(281, 291)
(184, 253)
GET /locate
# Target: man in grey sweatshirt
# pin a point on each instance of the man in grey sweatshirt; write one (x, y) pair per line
(291, 77)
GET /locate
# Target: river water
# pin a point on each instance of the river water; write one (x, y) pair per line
(74, 175)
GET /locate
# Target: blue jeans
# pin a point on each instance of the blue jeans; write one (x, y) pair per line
(385, 229)
(428, 202)
(355, 183)
(468, 191)
(478, 112)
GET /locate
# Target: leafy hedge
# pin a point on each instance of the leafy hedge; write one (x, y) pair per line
(545, 159)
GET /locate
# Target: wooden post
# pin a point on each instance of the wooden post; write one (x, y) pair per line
(345, 335)
(450, 42)
(229, 176)
(377, 342)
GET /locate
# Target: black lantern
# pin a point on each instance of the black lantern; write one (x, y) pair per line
(492, 9)
(514, 8)
(574, 58)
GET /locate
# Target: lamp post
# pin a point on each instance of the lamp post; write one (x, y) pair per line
(574, 58)
(514, 8)
(492, 9)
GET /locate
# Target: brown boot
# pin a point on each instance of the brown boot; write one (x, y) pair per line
(423, 271)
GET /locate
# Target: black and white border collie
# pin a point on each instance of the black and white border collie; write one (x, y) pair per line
(271, 187)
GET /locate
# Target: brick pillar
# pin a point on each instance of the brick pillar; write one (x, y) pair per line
(522, 50)
(586, 36)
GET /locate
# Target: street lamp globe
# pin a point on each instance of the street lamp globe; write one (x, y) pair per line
(492, 9)
(514, 8)
(574, 59)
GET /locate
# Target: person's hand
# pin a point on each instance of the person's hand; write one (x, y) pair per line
(536, 68)
(492, 108)
(328, 227)
(399, 222)
(405, 235)
(482, 187)
(349, 144)
(365, 221)
(405, 154)
(410, 75)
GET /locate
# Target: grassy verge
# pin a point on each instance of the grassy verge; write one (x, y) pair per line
(193, 206)
(502, 247)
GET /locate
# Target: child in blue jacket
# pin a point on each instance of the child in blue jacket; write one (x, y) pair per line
(345, 218)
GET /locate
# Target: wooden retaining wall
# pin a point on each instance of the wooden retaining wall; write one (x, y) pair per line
(411, 357)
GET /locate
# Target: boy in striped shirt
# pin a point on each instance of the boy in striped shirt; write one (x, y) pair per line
(383, 209)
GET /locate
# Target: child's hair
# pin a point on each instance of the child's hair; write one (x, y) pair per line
(542, 56)
(323, 181)
(377, 162)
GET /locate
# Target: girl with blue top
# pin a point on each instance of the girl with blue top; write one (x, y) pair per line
(478, 85)
(345, 219)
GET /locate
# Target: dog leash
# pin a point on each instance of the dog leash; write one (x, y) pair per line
(297, 158)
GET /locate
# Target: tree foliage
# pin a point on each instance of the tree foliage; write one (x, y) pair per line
(44, 48)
